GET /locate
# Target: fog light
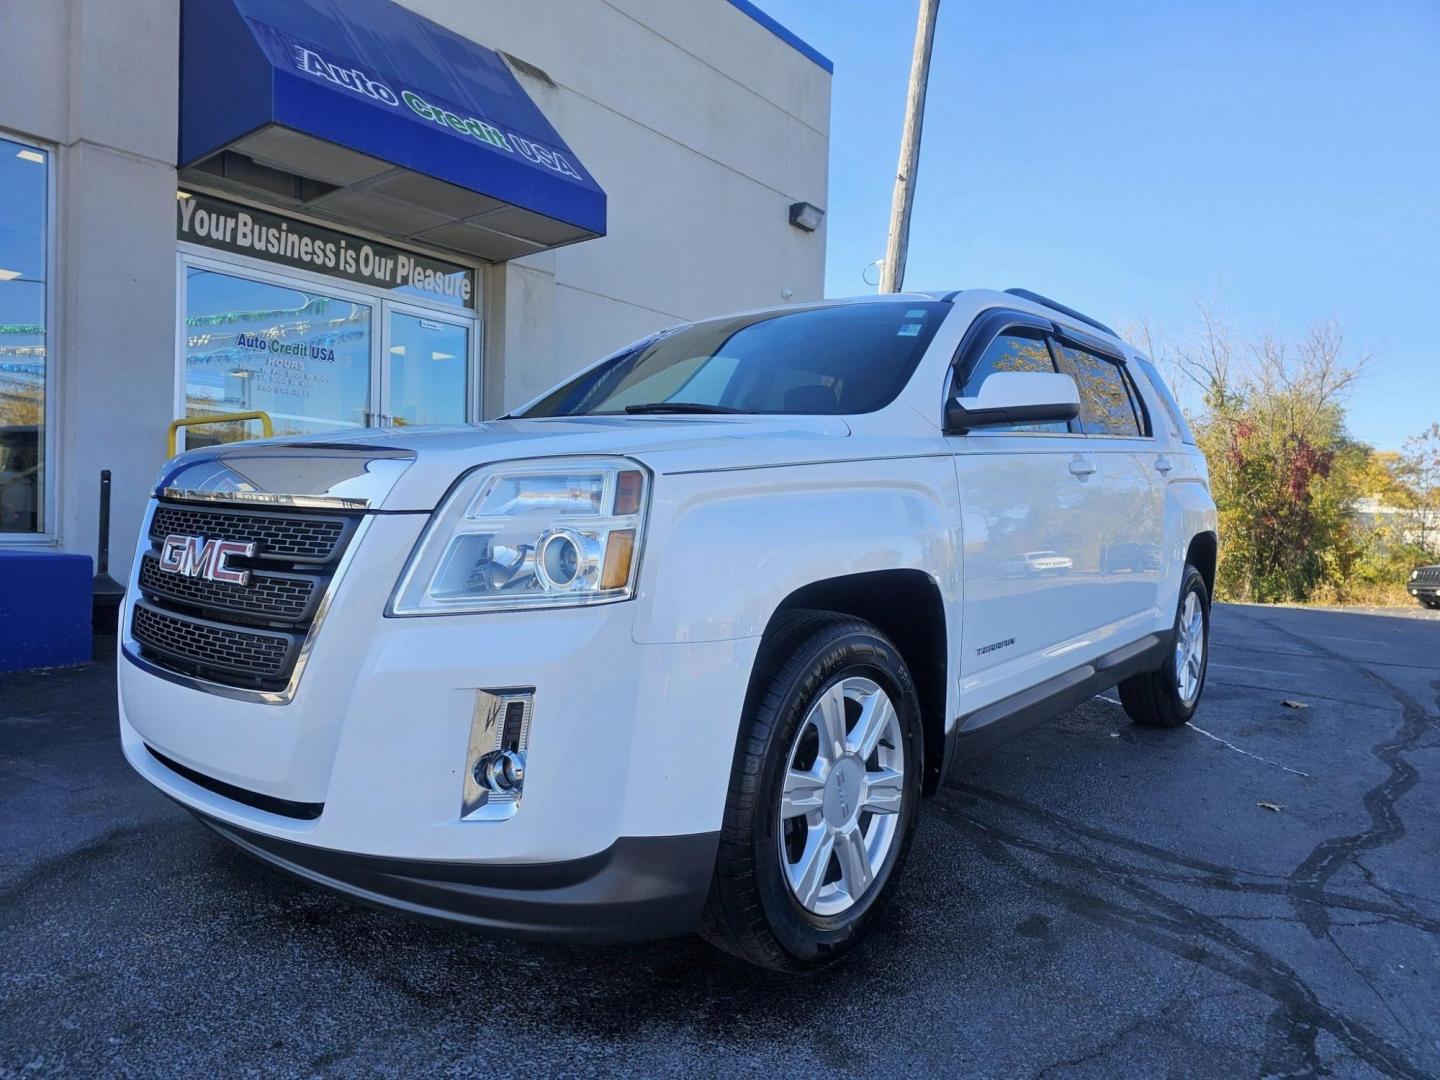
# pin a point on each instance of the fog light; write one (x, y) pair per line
(501, 771)
(495, 757)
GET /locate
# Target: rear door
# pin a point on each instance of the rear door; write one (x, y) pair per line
(1119, 435)
(1033, 520)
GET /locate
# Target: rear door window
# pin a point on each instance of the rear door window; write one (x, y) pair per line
(1107, 401)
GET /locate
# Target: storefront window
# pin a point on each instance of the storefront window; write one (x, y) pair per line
(24, 270)
(297, 354)
(327, 332)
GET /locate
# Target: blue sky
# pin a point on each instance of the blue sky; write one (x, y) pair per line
(1280, 160)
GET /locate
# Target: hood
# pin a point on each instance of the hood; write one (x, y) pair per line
(411, 468)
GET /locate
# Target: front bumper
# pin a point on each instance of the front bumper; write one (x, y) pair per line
(1423, 590)
(637, 889)
(630, 746)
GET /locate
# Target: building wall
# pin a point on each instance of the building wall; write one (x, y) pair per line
(702, 126)
(693, 118)
(98, 81)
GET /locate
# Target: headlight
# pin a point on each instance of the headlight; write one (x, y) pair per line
(524, 534)
(1414, 574)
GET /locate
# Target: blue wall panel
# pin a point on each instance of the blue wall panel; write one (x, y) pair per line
(45, 599)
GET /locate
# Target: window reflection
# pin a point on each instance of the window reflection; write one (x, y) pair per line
(301, 356)
(24, 199)
(1013, 352)
(1105, 406)
(428, 361)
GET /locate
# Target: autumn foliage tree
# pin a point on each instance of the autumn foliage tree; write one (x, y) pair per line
(1282, 469)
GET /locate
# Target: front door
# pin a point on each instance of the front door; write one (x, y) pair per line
(1032, 506)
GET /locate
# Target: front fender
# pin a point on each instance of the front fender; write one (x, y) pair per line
(725, 547)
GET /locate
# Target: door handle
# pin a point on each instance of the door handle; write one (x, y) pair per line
(1163, 464)
(1082, 466)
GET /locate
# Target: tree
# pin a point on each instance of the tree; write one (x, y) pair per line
(1283, 471)
(1419, 467)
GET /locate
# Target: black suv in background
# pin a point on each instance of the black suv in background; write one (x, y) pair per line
(1424, 585)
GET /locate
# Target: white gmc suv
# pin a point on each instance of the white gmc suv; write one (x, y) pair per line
(681, 644)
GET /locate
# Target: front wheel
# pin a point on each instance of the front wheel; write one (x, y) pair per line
(1169, 695)
(823, 795)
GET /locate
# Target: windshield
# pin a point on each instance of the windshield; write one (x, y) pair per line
(848, 358)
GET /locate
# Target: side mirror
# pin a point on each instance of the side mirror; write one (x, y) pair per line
(1015, 397)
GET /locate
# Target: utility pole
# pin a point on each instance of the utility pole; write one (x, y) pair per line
(892, 271)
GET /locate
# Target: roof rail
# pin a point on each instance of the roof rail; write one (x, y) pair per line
(1045, 301)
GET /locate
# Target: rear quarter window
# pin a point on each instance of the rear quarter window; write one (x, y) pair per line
(1178, 426)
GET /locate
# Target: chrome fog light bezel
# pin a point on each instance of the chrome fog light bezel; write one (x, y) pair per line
(494, 772)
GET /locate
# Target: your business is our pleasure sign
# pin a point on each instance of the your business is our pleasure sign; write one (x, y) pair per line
(244, 230)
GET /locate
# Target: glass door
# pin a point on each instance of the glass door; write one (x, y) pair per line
(299, 354)
(425, 371)
(315, 355)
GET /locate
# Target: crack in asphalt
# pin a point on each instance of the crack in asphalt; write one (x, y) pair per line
(1171, 925)
(1399, 896)
(1384, 1001)
(1117, 1039)
(1386, 825)
(1204, 874)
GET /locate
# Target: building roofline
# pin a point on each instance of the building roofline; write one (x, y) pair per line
(797, 43)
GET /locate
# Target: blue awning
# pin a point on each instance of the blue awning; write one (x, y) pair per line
(365, 112)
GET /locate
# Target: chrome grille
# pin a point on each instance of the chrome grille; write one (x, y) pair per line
(248, 636)
(1428, 573)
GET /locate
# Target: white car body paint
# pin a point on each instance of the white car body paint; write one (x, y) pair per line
(638, 703)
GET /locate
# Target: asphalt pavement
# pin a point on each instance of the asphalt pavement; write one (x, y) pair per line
(1256, 894)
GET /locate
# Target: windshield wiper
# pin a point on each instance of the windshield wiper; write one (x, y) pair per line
(679, 407)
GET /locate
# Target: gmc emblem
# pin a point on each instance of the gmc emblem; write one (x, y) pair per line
(196, 557)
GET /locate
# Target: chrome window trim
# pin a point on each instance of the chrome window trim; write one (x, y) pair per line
(130, 649)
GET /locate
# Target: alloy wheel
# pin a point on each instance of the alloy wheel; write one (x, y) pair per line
(841, 798)
(1190, 648)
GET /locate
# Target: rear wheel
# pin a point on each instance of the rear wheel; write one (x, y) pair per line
(823, 794)
(1169, 695)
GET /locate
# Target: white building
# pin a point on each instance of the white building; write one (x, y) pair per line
(350, 212)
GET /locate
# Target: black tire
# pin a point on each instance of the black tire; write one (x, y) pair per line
(751, 911)
(1432, 604)
(1153, 699)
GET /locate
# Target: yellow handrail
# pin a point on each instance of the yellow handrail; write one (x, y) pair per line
(219, 418)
